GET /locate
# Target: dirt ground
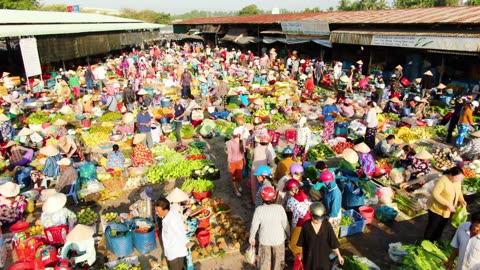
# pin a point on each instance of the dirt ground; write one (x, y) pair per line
(373, 243)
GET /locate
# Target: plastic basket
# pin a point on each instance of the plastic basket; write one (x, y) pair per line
(144, 242)
(56, 234)
(22, 266)
(122, 244)
(201, 195)
(357, 226)
(290, 135)
(26, 250)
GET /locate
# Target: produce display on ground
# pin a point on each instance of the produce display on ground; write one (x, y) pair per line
(319, 152)
(426, 256)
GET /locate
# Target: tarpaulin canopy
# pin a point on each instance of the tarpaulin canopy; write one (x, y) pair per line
(233, 34)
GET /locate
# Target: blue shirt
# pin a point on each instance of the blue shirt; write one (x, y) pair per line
(327, 109)
(179, 110)
(51, 168)
(142, 119)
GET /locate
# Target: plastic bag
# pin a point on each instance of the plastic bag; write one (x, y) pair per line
(250, 256)
(387, 195)
(88, 171)
(385, 214)
(298, 264)
(396, 175)
(460, 216)
(396, 252)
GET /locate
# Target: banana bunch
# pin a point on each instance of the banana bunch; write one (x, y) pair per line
(111, 216)
(406, 134)
(424, 132)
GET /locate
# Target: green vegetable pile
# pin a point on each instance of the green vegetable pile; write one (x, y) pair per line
(197, 185)
(468, 184)
(225, 127)
(66, 117)
(125, 266)
(231, 106)
(427, 256)
(352, 263)
(408, 205)
(346, 221)
(310, 173)
(38, 117)
(319, 152)
(110, 116)
(392, 116)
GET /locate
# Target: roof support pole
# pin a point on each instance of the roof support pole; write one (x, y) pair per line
(442, 69)
(370, 60)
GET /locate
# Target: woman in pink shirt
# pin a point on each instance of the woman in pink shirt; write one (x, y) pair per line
(236, 160)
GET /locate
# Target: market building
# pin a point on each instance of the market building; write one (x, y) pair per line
(444, 40)
(65, 36)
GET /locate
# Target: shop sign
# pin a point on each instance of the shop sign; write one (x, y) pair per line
(310, 28)
(31, 61)
(428, 42)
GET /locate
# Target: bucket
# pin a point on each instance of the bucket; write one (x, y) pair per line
(144, 241)
(201, 195)
(203, 238)
(86, 123)
(204, 222)
(367, 212)
(429, 122)
(166, 102)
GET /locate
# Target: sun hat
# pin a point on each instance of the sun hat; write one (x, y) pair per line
(128, 118)
(142, 92)
(395, 100)
(399, 67)
(283, 97)
(64, 162)
(476, 134)
(417, 99)
(344, 78)
(47, 193)
(3, 118)
(140, 137)
(80, 233)
(302, 61)
(177, 195)
(441, 86)
(474, 103)
(258, 101)
(418, 80)
(424, 154)
(350, 155)
(49, 151)
(64, 144)
(9, 189)
(237, 131)
(25, 132)
(362, 148)
(360, 62)
(54, 203)
(60, 122)
(329, 101)
(87, 97)
(302, 121)
(10, 143)
(5, 74)
(428, 72)
(202, 79)
(249, 126)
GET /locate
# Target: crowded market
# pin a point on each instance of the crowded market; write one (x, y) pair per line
(173, 153)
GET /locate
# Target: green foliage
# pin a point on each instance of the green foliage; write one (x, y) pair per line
(250, 10)
(308, 10)
(54, 7)
(202, 14)
(347, 5)
(19, 4)
(146, 15)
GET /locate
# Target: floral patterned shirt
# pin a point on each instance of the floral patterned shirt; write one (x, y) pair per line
(367, 162)
(299, 209)
(12, 210)
(61, 217)
(6, 131)
(420, 166)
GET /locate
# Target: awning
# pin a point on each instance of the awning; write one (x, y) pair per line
(434, 40)
(247, 40)
(211, 29)
(233, 34)
(185, 36)
(194, 30)
(272, 32)
(323, 42)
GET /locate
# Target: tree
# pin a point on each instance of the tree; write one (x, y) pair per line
(57, 7)
(146, 15)
(18, 4)
(250, 10)
(473, 2)
(308, 10)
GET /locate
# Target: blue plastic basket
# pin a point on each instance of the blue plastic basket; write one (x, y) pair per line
(122, 244)
(144, 242)
(357, 226)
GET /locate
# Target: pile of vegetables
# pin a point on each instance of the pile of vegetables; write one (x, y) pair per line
(38, 117)
(391, 116)
(208, 171)
(124, 266)
(261, 113)
(442, 158)
(319, 152)
(339, 147)
(231, 106)
(353, 263)
(346, 221)
(475, 167)
(426, 256)
(225, 127)
(197, 185)
(424, 132)
(406, 134)
(408, 205)
(441, 131)
(67, 117)
(110, 116)
(470, 184)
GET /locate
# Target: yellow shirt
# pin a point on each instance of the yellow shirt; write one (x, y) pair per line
(283, 168)
(445, 192)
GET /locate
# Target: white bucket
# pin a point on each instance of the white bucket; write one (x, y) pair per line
(210, 109)
(430, 122)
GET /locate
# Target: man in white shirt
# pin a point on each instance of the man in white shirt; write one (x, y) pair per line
(466, 245)
(337, 73)
(101, 75)
(174, 234)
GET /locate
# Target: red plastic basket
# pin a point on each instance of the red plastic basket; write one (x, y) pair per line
(22, 266)
(290, 135)
(56, 234)
(201, 195)
(26, 250)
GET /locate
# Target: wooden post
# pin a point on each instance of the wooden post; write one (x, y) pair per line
(442, 69)
(370, 61)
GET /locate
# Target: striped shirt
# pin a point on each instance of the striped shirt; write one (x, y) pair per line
(271, 223)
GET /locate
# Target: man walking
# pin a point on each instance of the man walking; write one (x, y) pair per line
(144, 122)
(174, 235)
(186, 81)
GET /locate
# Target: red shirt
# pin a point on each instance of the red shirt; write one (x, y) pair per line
(309, 85)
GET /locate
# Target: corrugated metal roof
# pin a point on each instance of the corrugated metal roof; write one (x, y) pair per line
(54, 29)
(47, 17)
(441, 15)
(432, 33)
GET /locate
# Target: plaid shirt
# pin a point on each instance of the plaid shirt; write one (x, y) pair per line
(15, 154)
